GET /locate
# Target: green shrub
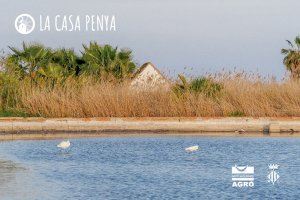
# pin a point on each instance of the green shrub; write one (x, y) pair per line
(9, 91)
(205, 86)
(237, 114)
(202, 85)
(13, 113)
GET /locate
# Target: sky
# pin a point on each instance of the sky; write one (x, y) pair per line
(205, 35)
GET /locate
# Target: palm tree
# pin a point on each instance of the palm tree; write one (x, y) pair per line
(35, 60)
(103, 61)
(68, 60)
(292, 58)
(52, 73)
(30, 58)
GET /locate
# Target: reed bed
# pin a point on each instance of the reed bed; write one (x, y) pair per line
(240, 96)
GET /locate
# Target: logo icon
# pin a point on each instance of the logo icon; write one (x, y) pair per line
(242, 176)
(24, 24)
(273, 175)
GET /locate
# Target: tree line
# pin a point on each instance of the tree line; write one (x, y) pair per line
(37, 61)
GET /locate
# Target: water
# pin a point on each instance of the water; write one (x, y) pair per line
(155, 167)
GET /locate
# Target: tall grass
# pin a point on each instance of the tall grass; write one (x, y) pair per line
(40, 81)
(241, 95)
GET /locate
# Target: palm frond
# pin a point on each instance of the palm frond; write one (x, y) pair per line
(297, 42)
(290, 43)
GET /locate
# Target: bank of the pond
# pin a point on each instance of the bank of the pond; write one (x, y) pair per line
(41, 128)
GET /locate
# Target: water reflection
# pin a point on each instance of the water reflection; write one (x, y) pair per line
(64, 154)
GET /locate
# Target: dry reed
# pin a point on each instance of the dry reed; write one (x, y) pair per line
(240, 96)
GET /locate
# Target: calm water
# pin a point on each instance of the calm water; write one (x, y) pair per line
(147, 168)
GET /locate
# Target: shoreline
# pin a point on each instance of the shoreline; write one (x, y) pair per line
(42, 128)
(56, 135)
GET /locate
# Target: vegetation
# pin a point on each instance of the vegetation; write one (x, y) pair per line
(106, 61)
(240, 97)
(202, 85)
(36, 61)
(292, 58)
(237, 113)
(40, 81)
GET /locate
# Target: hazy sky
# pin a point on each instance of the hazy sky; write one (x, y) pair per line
(207, 35)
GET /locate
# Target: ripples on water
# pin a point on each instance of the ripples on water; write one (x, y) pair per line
(147, 168)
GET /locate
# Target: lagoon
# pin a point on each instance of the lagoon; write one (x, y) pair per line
(147, 167)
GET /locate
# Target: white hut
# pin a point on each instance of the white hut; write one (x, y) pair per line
(149, 77)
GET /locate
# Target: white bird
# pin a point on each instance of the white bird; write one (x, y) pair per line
(192, 148)
(64, 144)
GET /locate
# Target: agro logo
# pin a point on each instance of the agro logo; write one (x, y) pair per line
(242, 176)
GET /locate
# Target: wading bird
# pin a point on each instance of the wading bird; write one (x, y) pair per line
(192, 148)
(64, 144)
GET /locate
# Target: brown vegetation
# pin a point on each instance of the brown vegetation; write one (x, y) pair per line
(40, 81)
(240, 96)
